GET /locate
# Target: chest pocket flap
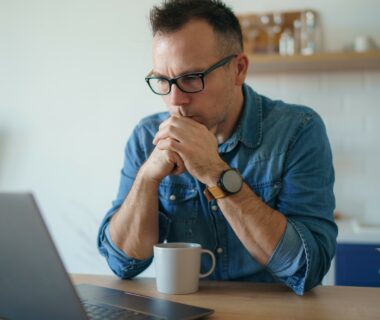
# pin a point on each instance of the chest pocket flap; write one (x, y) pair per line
(178, 201)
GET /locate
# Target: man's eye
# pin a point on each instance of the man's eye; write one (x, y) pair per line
(190, 78)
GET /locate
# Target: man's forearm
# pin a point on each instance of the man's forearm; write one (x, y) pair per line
(134, 227)
(258, 226)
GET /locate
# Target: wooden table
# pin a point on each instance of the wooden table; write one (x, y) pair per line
(242, 300)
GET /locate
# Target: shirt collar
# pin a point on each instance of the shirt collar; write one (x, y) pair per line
(249, 127)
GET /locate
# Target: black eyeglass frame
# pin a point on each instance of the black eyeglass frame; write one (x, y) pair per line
(200, 75)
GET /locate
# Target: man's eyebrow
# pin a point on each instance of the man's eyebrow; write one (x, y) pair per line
(157, 74)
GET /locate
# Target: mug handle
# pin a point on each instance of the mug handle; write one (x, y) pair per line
(203, 275)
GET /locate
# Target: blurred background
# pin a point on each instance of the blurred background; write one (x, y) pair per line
(72, 88)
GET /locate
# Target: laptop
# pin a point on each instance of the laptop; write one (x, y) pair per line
(35, 285)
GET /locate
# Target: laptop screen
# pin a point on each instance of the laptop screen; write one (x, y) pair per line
(35, 285)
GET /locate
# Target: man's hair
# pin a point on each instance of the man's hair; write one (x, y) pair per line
(172, 15)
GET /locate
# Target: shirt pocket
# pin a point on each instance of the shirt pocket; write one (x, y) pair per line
(180, 204)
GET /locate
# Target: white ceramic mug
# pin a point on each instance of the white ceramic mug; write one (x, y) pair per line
(178, 266)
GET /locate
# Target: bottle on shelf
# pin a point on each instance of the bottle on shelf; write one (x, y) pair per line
(310, 33)
(297, 35)
(287, 44)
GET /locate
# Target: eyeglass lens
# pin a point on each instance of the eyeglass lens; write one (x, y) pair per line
(187, 83)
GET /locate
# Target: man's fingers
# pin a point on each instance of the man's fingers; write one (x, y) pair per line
(163, 123)
(168, 144)
(180, 166)
(168, 128)
(175, 127)
(170, 131)
(174, 159)
(177, 171)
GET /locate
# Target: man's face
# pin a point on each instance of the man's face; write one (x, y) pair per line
(194, 48)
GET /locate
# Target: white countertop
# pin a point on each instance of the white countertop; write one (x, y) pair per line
(352, 231)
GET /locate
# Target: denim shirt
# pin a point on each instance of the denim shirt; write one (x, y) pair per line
(283, 154)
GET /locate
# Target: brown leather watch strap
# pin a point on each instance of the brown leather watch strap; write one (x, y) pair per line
(214, 192)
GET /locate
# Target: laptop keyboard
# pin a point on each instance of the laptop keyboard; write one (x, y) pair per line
(108, 312)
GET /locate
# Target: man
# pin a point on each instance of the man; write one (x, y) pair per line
(249, 178)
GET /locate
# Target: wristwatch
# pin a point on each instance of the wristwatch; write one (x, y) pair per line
(230, 182)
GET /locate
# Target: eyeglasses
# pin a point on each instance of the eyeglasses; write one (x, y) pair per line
(188, 83)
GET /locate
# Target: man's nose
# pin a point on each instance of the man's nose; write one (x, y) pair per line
(178, 97)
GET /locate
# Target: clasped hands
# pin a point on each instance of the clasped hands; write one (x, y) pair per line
(183, 144)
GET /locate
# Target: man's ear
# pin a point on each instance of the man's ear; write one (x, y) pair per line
(241, 69)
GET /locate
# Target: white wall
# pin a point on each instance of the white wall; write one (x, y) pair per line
(72, 87)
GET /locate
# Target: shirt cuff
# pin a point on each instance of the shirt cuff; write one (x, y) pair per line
(123, 265)
(289, 255)
(120, 253)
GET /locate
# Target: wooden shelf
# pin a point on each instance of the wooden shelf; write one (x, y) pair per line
(328, 61)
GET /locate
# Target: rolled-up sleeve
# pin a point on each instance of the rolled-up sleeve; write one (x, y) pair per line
(303, 255)
(289, 257)
(137, 150)
(120, 263)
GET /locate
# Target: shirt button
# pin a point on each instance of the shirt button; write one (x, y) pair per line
(214, 208)
(219, 250)
(172, 197)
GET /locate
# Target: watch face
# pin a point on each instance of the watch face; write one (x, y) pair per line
(231, 181)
